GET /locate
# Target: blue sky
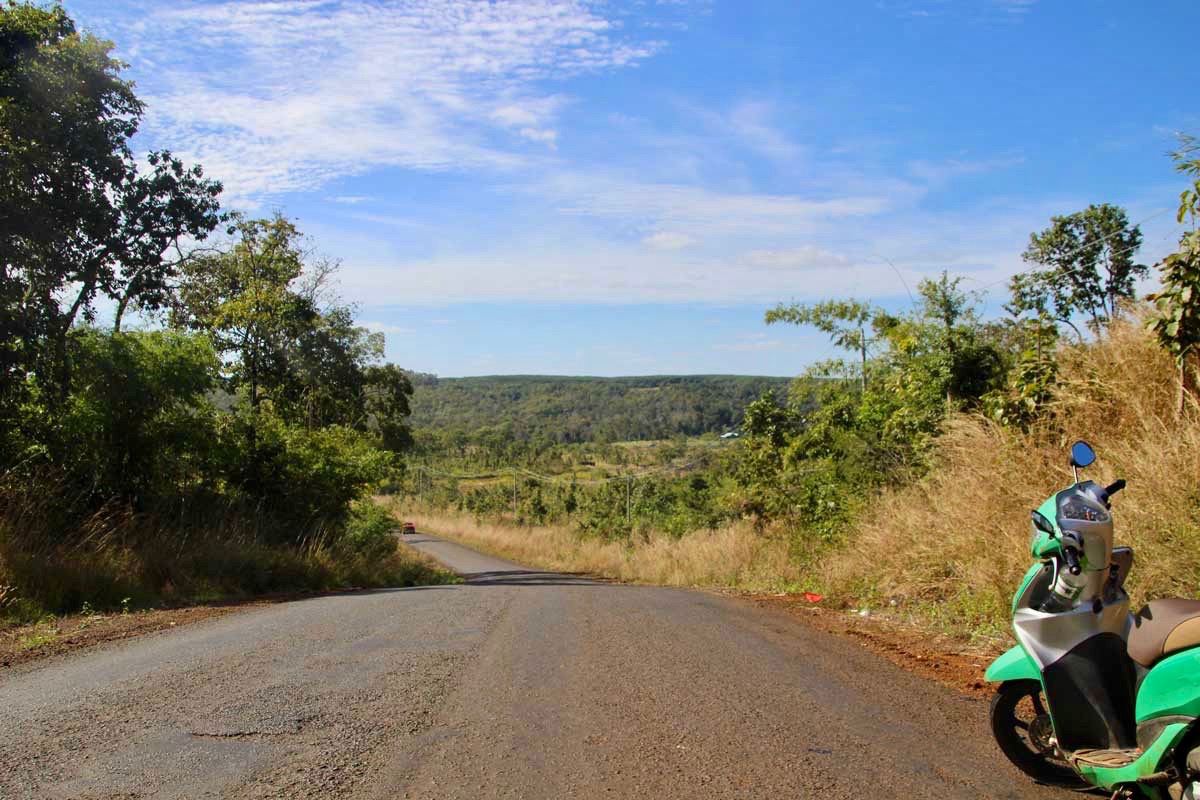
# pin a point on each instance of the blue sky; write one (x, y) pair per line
(568, 186)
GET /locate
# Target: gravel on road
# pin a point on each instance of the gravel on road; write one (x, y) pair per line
(515, 684)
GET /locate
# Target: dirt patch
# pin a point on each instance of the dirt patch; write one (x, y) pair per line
(940, 658)
(57, 635)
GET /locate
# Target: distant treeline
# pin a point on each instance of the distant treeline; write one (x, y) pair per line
(568, 410)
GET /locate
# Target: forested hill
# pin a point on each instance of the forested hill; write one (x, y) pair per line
(568, 409)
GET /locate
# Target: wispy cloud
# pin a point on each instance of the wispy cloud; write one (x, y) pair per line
(1017, 6)
(796, 258)
(697, 211)
(755, 343)
(940, 172)
(285, 96)
(668, 240)
(387, 328)
(754, 125)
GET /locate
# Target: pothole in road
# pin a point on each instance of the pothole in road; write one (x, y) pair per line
(270, 712)
(246, 732)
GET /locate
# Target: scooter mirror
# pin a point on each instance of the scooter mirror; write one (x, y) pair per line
(1041, 523)
(1082, 454)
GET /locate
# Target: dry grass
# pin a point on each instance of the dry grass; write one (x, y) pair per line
(954, 545)
(732, 557)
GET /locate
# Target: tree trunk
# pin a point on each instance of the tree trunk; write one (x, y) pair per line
(121, 306)
(862, 350)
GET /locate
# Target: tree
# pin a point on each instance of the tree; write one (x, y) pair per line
(259, 303)
(327, 379)
(967, 367)
(1177, 324)
(765, 419)
(242, 299)
(1089, 267)
(388, 391)
(78, 220)
(845, 321)
(1033, 375)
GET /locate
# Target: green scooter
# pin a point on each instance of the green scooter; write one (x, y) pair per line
(1094, 696)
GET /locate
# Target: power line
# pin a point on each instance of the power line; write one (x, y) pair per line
(1081, 248)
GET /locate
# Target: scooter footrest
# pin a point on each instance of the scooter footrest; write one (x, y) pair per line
(1108, 759)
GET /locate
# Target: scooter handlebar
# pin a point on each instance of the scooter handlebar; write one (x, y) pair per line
(1072, 558)
(1114, 487)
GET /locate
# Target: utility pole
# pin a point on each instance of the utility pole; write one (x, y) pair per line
(514, 477)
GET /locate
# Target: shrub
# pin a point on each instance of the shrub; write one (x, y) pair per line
(370, 532)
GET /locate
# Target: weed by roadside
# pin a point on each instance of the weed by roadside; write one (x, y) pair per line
(125, 571)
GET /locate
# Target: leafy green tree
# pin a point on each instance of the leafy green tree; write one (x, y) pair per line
(1177, 323)
(845, 321)
(766, 419)
(327, 370)
(242, 298)
(1088, 267)
(138, 422)
(316, 366)
(78, 220)
(1032, 377)
(388, 394)
(965, 366)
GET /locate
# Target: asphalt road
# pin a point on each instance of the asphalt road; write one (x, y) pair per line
(517, 684)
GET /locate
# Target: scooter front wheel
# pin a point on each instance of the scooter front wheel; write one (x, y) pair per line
(1022, 727)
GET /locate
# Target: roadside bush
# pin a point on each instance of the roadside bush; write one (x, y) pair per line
(307, 476)
(137, 422)
(370, 532)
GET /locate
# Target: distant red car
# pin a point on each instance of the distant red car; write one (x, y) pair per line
(409, 527)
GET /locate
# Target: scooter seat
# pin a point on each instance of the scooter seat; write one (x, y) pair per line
(1164, 627)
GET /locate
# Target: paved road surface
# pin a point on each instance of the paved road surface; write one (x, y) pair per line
(518, 684)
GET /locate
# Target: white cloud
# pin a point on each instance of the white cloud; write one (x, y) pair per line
(885, 257)
(284, 96)
(1017, 6)
(698, 211)
(350, 200)
(755, 343)
(668, 240)
(387, 328)
(754, 123)
(803, 257)
(547, 136)
(941, 172)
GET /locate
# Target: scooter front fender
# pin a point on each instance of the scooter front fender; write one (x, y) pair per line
(1014, 665)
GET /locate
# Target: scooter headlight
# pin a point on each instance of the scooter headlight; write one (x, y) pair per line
(1076, 508)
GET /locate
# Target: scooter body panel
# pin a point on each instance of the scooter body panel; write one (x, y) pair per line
(1149, 763)
(1047, 637)
(1030, 576)
(1013, 665)
(1171, 688)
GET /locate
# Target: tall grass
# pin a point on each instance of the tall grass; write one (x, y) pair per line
(51, 562)
(730, 557)
(954, 545)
